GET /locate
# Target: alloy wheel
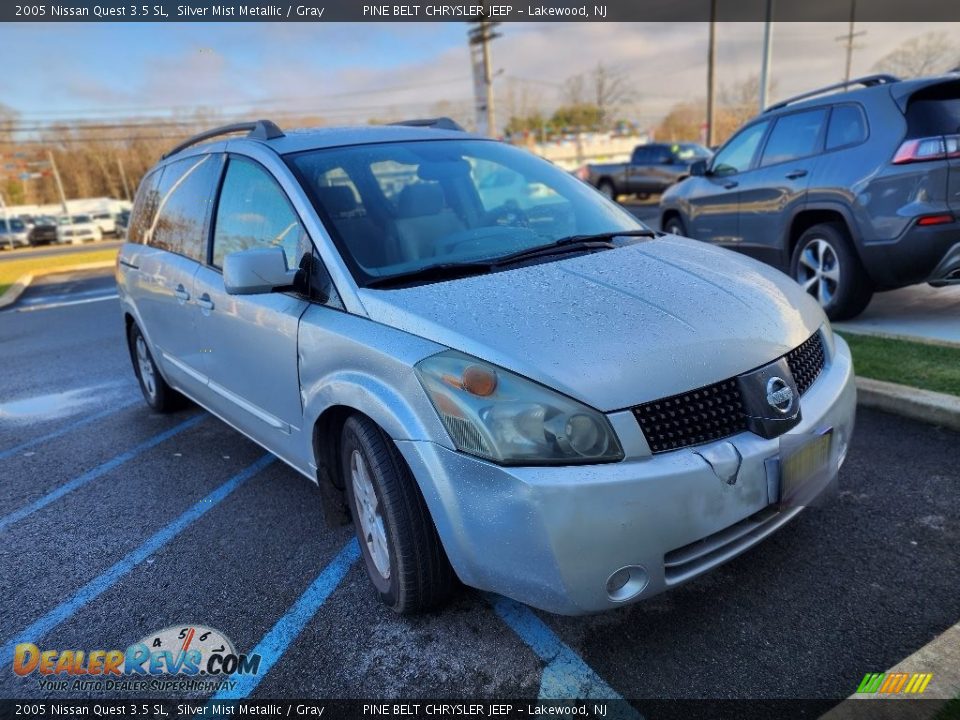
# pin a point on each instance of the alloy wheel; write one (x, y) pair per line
(374, 533)
(818, 270)
(145, 365)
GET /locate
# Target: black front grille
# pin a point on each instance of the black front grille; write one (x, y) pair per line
(716, 411)
(806, 362)
(694, 417)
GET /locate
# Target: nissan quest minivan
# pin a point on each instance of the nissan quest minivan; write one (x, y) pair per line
(506, 379)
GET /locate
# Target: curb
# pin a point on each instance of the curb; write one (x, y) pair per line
(923, 405)
(14, 292)
(919, 339)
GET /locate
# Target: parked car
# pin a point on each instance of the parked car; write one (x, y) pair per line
(849, 192)
(123, 221)
(107, 222)
(76, 229)
(44, 230)
(13, 233)
(652, 169)
(557, 404)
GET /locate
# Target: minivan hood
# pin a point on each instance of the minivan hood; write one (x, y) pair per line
(615, 328)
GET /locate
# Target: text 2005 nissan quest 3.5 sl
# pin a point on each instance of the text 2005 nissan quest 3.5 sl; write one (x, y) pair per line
(507, 379)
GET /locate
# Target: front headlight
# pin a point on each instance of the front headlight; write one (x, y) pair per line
(497, 415)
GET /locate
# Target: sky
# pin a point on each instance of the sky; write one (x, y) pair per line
(354, 72)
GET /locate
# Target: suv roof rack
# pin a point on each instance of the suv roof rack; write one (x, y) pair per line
(258, 130)
(865, 81)
(439, 123)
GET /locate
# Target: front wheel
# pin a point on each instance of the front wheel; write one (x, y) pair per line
(607, 188)
(826, 266)
(674, 226)
(401, 550)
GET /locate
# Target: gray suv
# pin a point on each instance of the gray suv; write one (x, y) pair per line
(848, 192)
(543, 399)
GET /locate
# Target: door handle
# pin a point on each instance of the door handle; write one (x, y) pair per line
(181, 293)
(730, 185)
(796, 174)
(205, 303)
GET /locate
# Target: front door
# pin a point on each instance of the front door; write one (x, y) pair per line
(249, 342)
(715, 198)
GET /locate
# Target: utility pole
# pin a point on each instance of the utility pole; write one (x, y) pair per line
(56, 176)
(712, 76)
(480, 35)
(123, 179)
(767, 53)
(848, 39)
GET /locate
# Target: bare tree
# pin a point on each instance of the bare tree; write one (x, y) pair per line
(929, 54)
(611, 89)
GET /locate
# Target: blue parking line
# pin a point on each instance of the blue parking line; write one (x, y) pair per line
(17, 449)
(96, 472)
(566, 675)
(275, 643)
(109, 578)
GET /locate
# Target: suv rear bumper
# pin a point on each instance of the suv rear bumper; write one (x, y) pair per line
(920, 254)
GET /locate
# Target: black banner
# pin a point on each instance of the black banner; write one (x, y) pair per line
(508, 709)
(472, 10)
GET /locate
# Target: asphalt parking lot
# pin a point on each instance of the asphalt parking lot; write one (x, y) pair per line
(117, 522)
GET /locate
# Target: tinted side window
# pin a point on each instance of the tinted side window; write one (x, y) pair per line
(795, 136)
(254, 211)
(145, 206)
(187, 192)
(641, 156)
(660, 155)
(847, 127)
(737, 154)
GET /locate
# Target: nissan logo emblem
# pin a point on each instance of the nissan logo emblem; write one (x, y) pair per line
(779, 395)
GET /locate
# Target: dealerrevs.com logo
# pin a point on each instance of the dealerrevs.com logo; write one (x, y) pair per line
(179, 658)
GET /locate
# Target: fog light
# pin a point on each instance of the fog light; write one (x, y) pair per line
(627, 583)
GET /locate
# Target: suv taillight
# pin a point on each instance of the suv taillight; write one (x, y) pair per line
(929, 148)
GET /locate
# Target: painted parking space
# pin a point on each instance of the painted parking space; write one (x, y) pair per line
(106, 562)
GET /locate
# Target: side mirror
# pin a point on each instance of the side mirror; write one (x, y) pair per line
(257, 270)
(699, 168)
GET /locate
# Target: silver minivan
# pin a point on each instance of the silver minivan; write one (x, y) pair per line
(526, 391)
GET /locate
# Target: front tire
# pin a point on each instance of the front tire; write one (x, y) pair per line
(159, 396)
(609, 191)
(401, 550)
(826, 266)
(674, 226)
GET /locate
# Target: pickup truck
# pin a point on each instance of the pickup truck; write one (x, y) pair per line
(652, 169)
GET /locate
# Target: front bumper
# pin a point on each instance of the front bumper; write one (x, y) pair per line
(551, 537)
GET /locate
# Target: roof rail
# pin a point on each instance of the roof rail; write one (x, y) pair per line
(440, 123)
(258, 130)
(866, 81)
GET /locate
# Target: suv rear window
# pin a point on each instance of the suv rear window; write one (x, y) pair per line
(934, 110)
(794, 136)
(847, 127)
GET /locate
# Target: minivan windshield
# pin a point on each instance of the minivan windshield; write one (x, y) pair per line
(396, 208)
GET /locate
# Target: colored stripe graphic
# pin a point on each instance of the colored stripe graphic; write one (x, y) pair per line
(111, 576)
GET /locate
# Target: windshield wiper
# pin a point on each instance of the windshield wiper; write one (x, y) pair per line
(596, 241)
(432, 273)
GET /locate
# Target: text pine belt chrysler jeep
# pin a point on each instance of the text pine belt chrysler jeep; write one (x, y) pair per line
(542, 399)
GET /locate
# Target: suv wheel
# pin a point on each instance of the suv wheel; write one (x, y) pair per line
(401, 549)
(159, 396)
(826, 266)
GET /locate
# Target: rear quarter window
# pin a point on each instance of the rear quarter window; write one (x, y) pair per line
(145, 206)
(848, 126)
